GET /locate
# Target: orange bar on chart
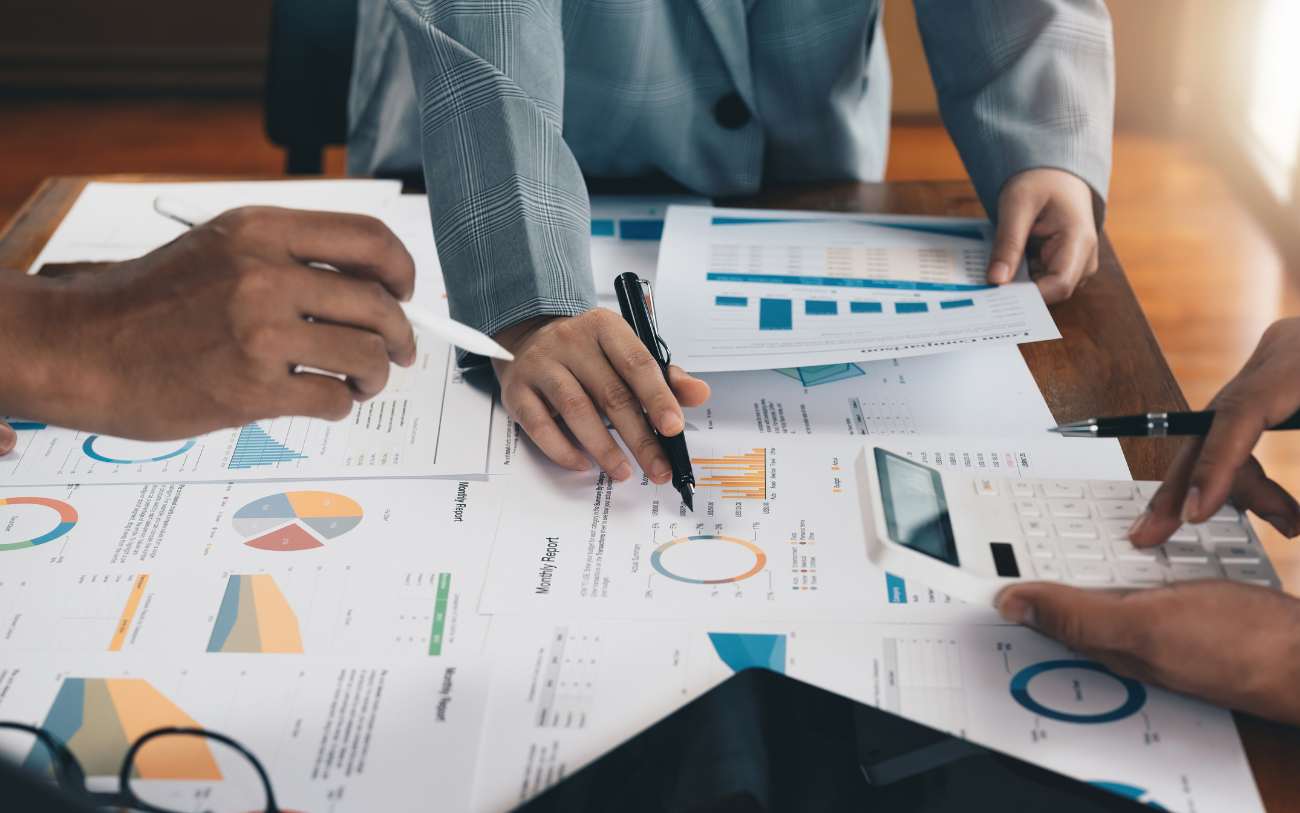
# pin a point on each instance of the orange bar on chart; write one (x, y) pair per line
(741, 477)
(128, 612)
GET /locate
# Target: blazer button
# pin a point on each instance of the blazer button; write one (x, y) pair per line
(731, 112)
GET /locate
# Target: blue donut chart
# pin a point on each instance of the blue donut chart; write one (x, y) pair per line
(89, 449)
(1135, 700)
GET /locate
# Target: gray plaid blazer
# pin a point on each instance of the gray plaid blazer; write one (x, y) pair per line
(506, 103)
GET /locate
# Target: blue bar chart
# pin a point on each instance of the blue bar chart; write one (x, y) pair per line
(256, 448)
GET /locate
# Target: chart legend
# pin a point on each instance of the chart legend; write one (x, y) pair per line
(255, 617)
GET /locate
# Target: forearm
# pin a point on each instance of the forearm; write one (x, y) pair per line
(31, 315)
(509, 205)
(1023, 85)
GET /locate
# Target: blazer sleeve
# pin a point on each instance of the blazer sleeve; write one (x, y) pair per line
(1024, 84)
(510, 211)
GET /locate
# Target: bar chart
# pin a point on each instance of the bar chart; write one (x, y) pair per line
(740, 477)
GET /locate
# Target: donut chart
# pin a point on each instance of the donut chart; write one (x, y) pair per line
(684, 544)
(1135, 693)
(65, 513)
(89, 448)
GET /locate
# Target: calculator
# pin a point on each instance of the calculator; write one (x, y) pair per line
(970, 535)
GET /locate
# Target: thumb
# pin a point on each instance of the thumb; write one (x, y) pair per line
(690, 391)
(1017, 211)
(8, 438)
(1083, 620)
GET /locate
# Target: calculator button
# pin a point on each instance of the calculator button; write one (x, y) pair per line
(1041, 547)
(1186, 552)
(1067, 508)
(1082, 549)
(1185, 533)
(1061, 488)
(1251, 574)
(986, 487)
(1125, 551)
(1224, 532)
(1075, 529)
(1141, 572)
(1226, 513)
(1181, 572)
(1020, 488)
(1111, 491)
(1118, 509)
(1049, 569)
(1034, 527)
(1117, 528)
(1147, 489)
(1091, 572)
(1028, 508)
(1238, 554)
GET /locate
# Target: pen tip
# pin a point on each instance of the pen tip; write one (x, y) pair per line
(1055, 429)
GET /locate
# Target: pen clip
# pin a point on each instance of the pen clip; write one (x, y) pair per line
(647, 295)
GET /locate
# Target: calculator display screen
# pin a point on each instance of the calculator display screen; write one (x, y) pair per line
(916, 512)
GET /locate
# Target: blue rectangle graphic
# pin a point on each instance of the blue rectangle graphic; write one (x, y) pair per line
(865, 307)
(821, 307)
(896, 589)
(641, 229)
(843, 282)
(910, 307)
(957, 303)
(602, 228)
(731, 301)
(775, 314)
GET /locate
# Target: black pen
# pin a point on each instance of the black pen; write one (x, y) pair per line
(1152, 424)
(636, 302)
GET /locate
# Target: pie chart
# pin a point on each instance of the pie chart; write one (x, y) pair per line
(35, 521)
(296, 520)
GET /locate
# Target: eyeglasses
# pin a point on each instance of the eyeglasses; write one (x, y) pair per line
(163, 753)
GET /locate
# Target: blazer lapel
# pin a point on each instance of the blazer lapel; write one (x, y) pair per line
(726, 21)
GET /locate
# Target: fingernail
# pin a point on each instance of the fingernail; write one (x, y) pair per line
(670, 423)
(622, 471)
(1000, 272)
(1191, 505)
(1017, 611)
(661, 471)
(1139, 523)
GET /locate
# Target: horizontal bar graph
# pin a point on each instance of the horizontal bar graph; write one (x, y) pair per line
(740, 476)
(957, 303)
(820, 307)
(731, 301)
(866, 307)
(256, 448)
(843, 282)
(775, 314)
(910, 307)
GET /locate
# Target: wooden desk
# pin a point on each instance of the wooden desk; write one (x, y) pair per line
(1108, 363)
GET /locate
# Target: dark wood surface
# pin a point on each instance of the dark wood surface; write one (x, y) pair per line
(1108, 363)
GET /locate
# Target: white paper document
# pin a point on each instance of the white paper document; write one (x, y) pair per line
(567, 689)
(117, 221)
(429, 421)
(748, 289)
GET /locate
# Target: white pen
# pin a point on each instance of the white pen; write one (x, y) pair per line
(449, 330)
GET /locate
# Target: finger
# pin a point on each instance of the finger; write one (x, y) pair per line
(1254, 491)
(574, 405)
(1089, 621)
(316, 396)
(1065, 268)
(8, 438)
(357, 245)
(1017, 211)
(690, 391)
(632, 361)
(1163, 514)
(530, 412)
(623, 409)
(360, 355)
(1238, 423)
(324, 295)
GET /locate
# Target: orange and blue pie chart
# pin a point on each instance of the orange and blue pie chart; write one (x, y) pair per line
(296, 520)
(26, 522)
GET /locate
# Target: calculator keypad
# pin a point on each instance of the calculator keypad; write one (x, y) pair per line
(1077, 531)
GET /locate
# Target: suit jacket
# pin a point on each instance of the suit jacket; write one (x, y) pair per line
(506, 103)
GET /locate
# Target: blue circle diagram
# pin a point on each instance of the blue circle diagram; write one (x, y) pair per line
(89, 449)
(1136, 694)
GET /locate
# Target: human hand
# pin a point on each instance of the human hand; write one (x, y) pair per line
(206, 331)
(8, 438)
(1232, 644)
(1210, 470)
(579, 367)
(1054, 207)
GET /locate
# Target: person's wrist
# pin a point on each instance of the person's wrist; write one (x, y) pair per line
(515, 335)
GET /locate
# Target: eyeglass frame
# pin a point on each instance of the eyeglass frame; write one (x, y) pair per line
(70, 776)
